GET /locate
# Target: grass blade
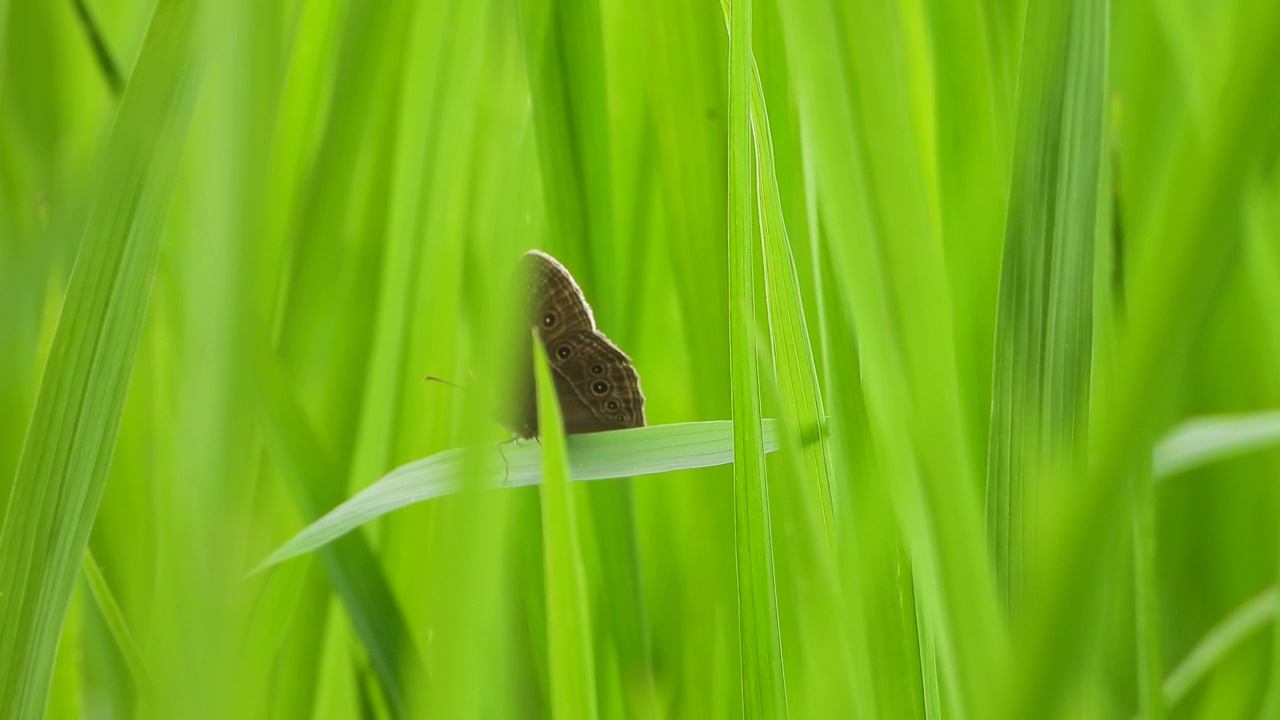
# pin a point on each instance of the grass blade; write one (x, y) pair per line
(597, 456)
(1204, 440)
(1043, 330)
(888, 267)
(764, 692)
(573, 682)
(1263, 260)
(63, 470)
(1218, 643)
(350, 563)
(110, 610)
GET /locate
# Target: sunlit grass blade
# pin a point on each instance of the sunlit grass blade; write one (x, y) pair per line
(71, 438)
(831, 686)
(857, 107)
(1203, 440)
(764, 693)
(793, 356)
(573, 682)
(597, 456)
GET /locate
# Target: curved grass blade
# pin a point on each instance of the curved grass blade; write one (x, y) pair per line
(1218, 643)
(1200, 441)
(573, 681)
(598, 456)
(71, 439)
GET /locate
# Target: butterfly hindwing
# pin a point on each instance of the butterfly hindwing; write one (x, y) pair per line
(601, 377)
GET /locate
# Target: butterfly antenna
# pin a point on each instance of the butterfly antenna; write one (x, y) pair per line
(433, 378)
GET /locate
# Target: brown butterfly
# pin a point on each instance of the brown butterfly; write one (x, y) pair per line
(597, 387)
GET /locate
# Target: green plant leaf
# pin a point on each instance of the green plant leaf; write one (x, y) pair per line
(350, 563)
(764, 693)
(1203, 440)
(1217, 644)
(573, 682)
(71, 439)
(597, 456)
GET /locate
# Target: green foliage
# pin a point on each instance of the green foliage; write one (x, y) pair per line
(901, 265)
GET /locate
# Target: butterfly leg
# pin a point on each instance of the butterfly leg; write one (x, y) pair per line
(506, 466)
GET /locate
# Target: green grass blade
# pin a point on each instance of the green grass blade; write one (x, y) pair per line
(764, 692)
(573, 682)
(858, 99)
(63, 470)
(116, 623)
(1203, 440)
(1044, 325)
(805, 508)
(793, 358)
(597, 456)
(1170, 283)
(1146, 597)
(1262, 257)
(1217, 644)
(350, 563)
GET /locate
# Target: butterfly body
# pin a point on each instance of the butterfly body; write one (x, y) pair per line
(596, 384)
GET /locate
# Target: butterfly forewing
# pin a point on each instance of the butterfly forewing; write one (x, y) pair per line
(555, 302)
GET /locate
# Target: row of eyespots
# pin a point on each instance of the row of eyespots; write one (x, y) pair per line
(599, 387)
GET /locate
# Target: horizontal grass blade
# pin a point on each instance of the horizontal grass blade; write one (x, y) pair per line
(598, 456)
(644, 451)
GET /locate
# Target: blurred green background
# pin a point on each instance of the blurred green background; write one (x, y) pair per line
(979, 257)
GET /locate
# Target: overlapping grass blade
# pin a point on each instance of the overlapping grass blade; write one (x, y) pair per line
(807, 506)
(573, 683)
(856, 107)
(764, 693)
(793, 357)
(70, 441)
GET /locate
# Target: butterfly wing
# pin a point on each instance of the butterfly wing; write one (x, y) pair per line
(604, 388)
(554, 301)
(597, 387)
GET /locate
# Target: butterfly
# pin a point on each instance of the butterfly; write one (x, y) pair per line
(596, 384)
